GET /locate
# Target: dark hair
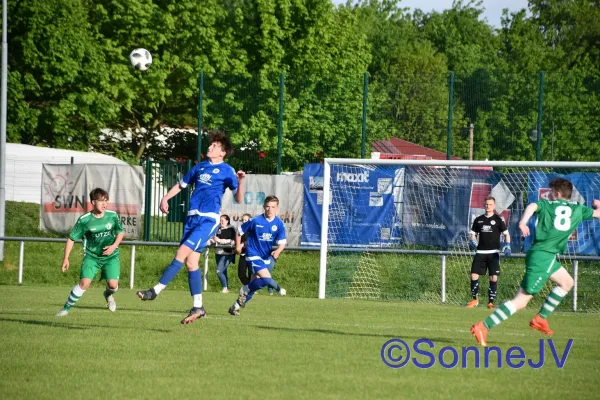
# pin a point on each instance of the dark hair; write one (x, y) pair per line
(247, 215)
(562, 186)
(227, 218)
(98, 194)
(221, 137)
(271, 198)
(489, 198)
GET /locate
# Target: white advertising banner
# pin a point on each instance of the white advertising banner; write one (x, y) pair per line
(66, 188)
(287, 188)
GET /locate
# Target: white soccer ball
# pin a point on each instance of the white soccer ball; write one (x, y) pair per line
(140, 59)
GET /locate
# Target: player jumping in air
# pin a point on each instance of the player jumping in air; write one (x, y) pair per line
(102, 232)
(489, 227)
(210, 179)
(556, 220)
(263, 231)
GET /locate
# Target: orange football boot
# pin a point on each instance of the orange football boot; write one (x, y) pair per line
(480, 332)
(540, 324)
(473, 303)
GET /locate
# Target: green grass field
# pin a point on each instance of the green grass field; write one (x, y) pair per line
(280, 347)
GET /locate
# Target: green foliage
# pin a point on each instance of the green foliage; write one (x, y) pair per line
(62, 89)
(71, 85)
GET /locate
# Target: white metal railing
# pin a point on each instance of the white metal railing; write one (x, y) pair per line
(133, 244)
(442, 255)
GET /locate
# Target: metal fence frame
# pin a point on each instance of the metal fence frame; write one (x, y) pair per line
(442, 254)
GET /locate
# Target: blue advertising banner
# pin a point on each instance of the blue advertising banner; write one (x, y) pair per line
(365, 210)
(440, 204)
(586, 239)
(431, 207)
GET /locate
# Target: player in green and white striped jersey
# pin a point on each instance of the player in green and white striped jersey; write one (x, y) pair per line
(102, 232)
(556, 220)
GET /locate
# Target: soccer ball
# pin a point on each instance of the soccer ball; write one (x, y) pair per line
(140, 59)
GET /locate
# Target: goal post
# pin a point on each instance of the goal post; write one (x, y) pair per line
(398, 229)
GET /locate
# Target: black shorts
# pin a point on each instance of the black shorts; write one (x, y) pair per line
(486, 262)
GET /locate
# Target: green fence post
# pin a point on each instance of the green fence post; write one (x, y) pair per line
(538, 150)
(450, 104)
(148, 200)
(186, 194)
(200, 116)
(280, 121)
(363, 147)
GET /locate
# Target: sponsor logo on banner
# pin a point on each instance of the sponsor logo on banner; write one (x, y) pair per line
(65, 191)
(360, 177)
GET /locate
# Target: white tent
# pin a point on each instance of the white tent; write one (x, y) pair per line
(24, 168)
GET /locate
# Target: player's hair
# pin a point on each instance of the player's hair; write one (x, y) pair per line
(271, 198)
(221, 137)
(98, 194)
(562, 186)
(227, 218)
(489, 198)
(246, 215)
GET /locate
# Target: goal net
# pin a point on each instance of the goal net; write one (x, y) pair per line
(399, 229)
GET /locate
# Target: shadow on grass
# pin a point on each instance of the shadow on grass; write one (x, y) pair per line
(341, 333)
(65, 325)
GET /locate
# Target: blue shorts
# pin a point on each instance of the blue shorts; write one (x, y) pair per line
(197, 230)
(257, 263)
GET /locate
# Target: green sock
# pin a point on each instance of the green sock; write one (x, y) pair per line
(501, 314)
(552, 301)
(74, 296)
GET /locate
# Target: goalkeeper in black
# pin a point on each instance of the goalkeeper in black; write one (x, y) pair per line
(488, 227)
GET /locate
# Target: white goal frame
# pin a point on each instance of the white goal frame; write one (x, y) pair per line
(431, 163)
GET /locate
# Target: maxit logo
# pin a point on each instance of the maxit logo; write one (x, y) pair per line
(354, 178)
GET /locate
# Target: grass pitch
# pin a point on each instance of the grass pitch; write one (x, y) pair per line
(279, 348)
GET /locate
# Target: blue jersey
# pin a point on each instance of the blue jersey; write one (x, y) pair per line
(262, 235)
(210, 181)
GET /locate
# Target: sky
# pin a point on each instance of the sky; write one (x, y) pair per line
(493, 8)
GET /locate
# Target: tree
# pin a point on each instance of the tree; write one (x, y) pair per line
(187, 43)
(323, 57)
(61, 87)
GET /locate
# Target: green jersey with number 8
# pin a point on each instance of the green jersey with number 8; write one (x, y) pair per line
(556, 220)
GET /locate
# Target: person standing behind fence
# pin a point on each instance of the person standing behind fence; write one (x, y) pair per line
(102, 232)
(244, 272)
(210, 179)
(488, 227)
(224, 256)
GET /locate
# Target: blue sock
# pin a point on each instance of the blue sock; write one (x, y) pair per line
(195, 281)
(170, 272)
(272, 284)
(255, 286)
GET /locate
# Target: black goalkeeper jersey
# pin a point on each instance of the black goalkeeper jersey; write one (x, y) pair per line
(489, 230)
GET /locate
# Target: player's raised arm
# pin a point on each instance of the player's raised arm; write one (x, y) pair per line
(529, 211)
(596, 207)
(239, 194)
(164, 202)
